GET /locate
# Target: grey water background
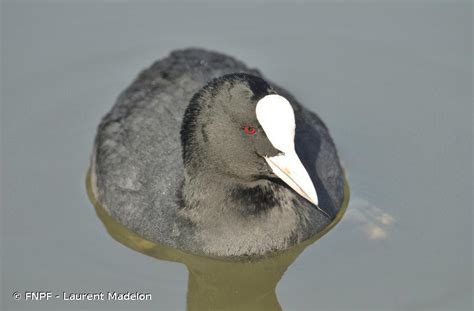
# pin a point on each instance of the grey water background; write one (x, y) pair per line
(392, 81)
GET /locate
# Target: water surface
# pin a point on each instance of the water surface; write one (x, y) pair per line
(392, 81)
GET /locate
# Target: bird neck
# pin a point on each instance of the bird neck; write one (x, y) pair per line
(211, 190)
(236, 218)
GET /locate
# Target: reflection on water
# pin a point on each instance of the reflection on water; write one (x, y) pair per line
(215, 283)
(372, 221)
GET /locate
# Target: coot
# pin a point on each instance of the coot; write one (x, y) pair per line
(203, 154)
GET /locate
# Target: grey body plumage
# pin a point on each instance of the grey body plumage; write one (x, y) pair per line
(200, 206)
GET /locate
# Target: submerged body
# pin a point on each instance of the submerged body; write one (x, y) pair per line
(214, 202)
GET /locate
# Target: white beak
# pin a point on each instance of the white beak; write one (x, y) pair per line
(289, 168)
(277, 118)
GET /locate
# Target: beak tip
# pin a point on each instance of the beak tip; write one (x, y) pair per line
(322, 211)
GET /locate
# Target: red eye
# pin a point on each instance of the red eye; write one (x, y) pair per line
(250, 130)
